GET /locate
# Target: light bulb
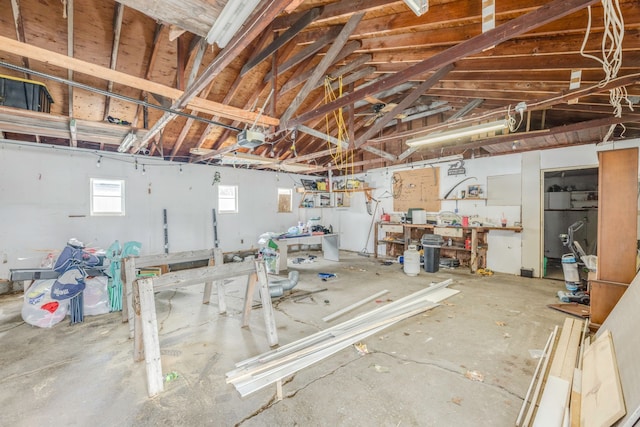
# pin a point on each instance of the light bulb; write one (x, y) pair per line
(99, 162)
(144, 171)
(180, 168)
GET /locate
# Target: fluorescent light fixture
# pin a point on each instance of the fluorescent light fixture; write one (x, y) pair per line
(434, 138)
(230, 20)
(127, 142)
(418, 6)
(244, 159)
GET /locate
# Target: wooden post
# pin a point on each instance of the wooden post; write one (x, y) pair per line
(222, 304)
(474, 250)
(248, 298)
(144, 292)
(206, 296)
(267, 308)
(129, 268)
(138, 349)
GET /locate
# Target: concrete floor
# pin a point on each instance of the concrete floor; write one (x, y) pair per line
(416, 372)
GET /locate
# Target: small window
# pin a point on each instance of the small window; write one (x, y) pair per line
(107, 197)
(285, 200)
(227, 199)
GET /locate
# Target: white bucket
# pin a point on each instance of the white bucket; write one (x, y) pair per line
(411, 264)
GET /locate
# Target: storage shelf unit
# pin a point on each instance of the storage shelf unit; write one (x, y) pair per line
(313, 199)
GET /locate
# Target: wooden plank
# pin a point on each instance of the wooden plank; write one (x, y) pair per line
(557, 389)
(173, 258)
(537, 376)
(602, 399)
(576, 399)
(354, 306)
(536, 393)
(144, 290)
(199, 104)
(200, 275)
(621, 321)
(572, 308)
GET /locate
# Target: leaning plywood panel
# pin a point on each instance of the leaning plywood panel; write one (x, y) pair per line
(626, 341)
(602, 400)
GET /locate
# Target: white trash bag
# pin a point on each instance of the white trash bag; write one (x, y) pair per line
(39, 309)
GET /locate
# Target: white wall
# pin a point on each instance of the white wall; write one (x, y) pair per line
(44, 194)
(44, 201)
(505, 249)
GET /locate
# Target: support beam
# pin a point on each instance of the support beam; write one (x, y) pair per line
(405, 103)
(198, 104)
(551, 11)
(69, 6)
(115, 45)
(284, 38)
(267, 11)
(18, 22)
(322, 67)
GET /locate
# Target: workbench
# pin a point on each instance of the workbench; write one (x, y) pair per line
(397, 237)
(329, 242)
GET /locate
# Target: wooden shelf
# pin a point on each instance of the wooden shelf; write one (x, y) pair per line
(466, 198)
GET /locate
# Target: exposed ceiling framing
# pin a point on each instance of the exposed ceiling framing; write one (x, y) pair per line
(338, 85)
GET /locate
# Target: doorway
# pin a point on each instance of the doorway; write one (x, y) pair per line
(570, 200)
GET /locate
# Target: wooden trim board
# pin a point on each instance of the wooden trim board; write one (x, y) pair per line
(602, 399)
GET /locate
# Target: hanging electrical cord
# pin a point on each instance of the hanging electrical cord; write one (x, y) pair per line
(611, 49)
(343, 159)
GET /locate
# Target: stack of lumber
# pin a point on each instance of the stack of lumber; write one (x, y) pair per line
(576, 381)
(271, 367)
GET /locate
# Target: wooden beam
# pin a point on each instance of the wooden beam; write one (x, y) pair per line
(306, 52)
(405, 103)
(284, 38)
(117, 30)
(322, 67)
(298, 78)
(19, 24)
(69, 5)
(192, 75)
(18, 120)
(198, 104)
(267, 11)
(334, 11)
(554, 10)
(542, 104)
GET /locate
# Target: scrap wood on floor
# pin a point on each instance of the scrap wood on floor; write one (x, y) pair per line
(573, 308)
(273, 366)
(576, 382)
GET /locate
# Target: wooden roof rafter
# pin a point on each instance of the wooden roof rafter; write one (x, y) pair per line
(547, 13)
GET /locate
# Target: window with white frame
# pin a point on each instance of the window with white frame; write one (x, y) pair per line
(227, 198)
(107, 196)
(285, 197)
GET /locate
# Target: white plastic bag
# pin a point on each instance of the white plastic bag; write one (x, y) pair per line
(95, 296)
(39, 309)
